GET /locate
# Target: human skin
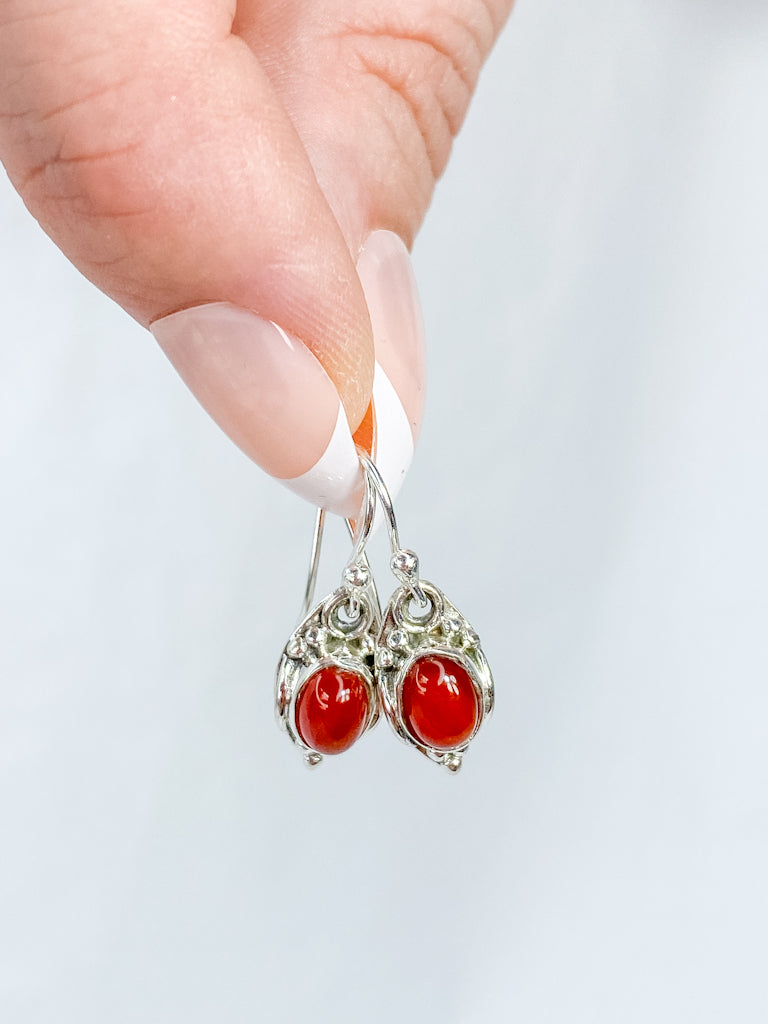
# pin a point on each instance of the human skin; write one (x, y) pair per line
(183, 152)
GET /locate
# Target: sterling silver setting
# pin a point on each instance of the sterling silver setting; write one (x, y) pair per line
(420, 620)
(340, 631)
(439, 628)
(327, 636)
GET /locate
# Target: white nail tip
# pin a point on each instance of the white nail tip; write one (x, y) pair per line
(334, 482)
(394, 440)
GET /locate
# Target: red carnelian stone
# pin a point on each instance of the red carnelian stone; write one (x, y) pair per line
(440, 703)
(332, 709)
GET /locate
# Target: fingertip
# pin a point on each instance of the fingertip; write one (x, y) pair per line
(351, 368)
(270, 395)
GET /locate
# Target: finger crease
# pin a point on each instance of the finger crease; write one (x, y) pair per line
(460, 71)
(63, 161)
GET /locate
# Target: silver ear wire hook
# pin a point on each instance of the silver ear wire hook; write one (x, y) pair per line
(314, 563)
(357, 572)
(404, 563)
(363, 524)
(378, 489)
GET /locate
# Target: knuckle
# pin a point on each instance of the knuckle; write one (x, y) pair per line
(423, 70)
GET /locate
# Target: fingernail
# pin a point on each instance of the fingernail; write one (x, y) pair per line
(392, 426)
(270, 395)
(386, 274)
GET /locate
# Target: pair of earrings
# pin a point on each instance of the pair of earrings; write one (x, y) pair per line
(420, 662)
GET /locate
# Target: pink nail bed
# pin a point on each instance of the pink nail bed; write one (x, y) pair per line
(269, 394)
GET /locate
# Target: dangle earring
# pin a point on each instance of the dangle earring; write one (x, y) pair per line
(434, 682)
(325, 688)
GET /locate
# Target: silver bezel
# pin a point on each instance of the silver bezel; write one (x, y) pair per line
(323, 640)
(443, 631)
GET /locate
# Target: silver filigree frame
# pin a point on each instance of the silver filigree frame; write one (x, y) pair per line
(405, 636)
(324, 639)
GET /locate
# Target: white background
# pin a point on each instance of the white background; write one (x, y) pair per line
(590, 489)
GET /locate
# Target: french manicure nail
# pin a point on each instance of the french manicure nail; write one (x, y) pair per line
(392, 426)
(270, 395)
(386, 274)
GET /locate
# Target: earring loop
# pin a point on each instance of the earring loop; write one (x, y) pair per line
(314, 562)
(403, 562)
(357, 571)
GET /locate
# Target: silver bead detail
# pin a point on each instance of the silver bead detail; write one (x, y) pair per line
(385, 658)
(367, 644)
(296, 648)
(472, 639)
(405, 566)
(357, 576)
(397, 640)
(315, 637)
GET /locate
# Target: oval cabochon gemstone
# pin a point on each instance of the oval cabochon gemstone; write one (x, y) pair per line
(441, 708)
(332, 709)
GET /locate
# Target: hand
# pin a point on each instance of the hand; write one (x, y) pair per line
(244, 155)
